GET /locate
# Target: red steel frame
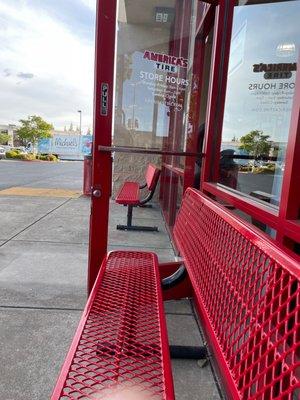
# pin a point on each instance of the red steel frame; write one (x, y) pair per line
(242, 283)
(289, 211)
(205, 18)
(102, 162)
(286, 220)
(179, 175)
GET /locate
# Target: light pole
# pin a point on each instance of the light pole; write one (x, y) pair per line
(80, 121)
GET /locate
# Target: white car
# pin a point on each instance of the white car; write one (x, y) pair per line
(2, 152)
(22, 149)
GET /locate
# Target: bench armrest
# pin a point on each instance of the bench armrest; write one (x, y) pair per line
(174, 279)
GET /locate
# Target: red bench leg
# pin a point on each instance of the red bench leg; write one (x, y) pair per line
(130, 227)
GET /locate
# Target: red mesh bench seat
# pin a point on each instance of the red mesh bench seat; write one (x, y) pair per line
(122, 338)
(246, 292)
(129, 194)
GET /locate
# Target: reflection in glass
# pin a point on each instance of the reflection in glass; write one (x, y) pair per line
(151, 76)
(260, 88)
(153, 48)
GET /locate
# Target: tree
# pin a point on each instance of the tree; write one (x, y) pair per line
(4, 138)
(255, 143)
(33, 129)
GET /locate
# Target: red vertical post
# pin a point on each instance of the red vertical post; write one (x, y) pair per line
(103, 120)
(289, 207)
(194, 112)
(205, 18)
(217, 90)
(182, 38)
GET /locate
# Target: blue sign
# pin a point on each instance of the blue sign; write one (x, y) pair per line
(73, 145)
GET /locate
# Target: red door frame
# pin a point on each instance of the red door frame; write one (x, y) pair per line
(286, 221)
(173, 174)
(103, 122)
(204, 25)
(290, 194)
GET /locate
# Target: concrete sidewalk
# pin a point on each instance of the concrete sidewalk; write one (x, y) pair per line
(43, 253)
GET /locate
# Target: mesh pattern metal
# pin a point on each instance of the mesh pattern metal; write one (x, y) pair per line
(249, 293)
(152, 176)
(128, 194)
(122, 340)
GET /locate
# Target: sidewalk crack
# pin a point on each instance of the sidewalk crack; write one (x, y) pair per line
(34, 222)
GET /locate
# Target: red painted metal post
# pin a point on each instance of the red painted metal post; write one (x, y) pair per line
(217, 90)
(87, 175)
(194, 112)
(103, 120)
(205, 15)
(290, 198)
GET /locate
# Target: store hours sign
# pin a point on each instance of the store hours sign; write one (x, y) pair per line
(165, 79)
(273, 89)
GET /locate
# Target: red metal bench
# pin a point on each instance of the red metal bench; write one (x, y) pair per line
(129, 195)
(246, 291)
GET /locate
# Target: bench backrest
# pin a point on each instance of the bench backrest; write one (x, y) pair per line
(152, 176)
(247, 293)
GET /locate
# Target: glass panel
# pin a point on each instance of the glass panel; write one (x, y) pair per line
(151, 76)
(261, 80)
(154, 54)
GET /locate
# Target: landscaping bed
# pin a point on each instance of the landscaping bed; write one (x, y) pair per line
(18, 155)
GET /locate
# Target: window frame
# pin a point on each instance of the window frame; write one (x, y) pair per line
(287, 220)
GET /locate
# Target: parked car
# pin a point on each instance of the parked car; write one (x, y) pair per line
(21, 149)
(2, 152)
(7, 147)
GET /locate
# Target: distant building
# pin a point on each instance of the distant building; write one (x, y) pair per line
(11, 130)
(71, 131)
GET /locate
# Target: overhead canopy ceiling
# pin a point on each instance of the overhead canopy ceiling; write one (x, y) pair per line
(141, 11)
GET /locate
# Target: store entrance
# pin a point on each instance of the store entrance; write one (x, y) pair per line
(143, 100)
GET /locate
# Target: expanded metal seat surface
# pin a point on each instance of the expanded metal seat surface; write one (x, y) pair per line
(121, 340)
(248, 294)
(129, 194)
(152, 176)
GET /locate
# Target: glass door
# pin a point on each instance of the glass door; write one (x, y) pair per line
(144, 55)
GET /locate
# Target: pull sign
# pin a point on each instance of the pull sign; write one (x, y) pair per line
(104, 99)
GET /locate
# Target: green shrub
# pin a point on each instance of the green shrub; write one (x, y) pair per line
(51, 157)
(27, 157)
(245, 168)
(268, 169)
(46, 157)
(17, 155)
(12, 154)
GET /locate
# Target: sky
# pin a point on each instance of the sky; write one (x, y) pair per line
(47, 60)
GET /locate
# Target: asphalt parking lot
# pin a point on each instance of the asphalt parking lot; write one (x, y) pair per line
(65, 174)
